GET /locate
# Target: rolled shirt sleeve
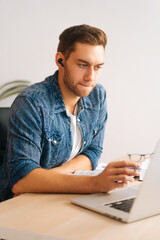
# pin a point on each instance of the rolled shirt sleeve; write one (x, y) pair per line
(24, 139)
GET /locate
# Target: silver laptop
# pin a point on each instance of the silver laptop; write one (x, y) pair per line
(132, 203)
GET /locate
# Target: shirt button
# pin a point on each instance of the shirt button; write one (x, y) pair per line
(70, 147)
(54, 141)
(68, 122)
(84, 142)
(78, 120)
(49, 139)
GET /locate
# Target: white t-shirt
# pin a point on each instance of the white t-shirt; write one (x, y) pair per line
(76, 133)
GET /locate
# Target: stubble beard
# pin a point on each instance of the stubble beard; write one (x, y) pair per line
(74, 88)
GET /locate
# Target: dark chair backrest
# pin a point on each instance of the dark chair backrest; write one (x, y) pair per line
(4, 116)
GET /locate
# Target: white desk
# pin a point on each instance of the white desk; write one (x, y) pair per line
(54, 215)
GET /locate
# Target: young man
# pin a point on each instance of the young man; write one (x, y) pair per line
(57, 126)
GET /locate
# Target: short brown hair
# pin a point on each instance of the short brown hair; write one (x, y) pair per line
(80, 33)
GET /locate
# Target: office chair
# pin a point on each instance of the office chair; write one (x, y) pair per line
(4, 116)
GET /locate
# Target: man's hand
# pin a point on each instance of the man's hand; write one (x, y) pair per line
(116, 175)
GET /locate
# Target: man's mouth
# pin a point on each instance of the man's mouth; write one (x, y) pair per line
(86, 85)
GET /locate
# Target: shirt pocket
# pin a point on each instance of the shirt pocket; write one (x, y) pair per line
(90, 134)
(53, 146)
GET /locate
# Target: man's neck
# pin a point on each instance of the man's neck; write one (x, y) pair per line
(70, 105)
(70, 100)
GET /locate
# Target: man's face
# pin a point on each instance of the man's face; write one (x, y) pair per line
(82, 69)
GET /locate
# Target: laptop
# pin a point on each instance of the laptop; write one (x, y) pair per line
(132, 203)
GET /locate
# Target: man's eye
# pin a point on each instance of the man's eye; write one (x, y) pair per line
(98, 67)
(83, 65)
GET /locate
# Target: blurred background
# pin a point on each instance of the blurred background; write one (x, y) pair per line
(29, 32)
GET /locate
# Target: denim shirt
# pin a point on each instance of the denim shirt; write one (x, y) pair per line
(39, 132)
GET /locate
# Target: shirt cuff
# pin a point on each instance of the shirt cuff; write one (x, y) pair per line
(22, 169)
(94, 157)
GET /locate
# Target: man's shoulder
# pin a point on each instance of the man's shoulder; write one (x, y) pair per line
(43, 95)
(38, 89)
(99, 89)
(39, 95)
(43, 92)
(97, 96)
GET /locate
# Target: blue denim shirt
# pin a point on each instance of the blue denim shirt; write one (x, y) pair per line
(39, 132)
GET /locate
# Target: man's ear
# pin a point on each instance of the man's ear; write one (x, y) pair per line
(59, 59)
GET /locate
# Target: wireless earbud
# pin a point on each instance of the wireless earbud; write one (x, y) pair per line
(60, 62)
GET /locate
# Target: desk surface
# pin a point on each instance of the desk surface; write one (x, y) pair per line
(54, 215)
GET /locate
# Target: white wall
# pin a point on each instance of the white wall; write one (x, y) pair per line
(29, 35)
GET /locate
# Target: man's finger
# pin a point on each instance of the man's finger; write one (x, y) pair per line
(124, 170)
(124, 163)
(122, 178)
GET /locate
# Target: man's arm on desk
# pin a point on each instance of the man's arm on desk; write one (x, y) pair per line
(115, 175)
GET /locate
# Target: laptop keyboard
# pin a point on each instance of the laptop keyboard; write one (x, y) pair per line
(124, 205)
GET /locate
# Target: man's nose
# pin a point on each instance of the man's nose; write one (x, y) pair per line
(90, 74)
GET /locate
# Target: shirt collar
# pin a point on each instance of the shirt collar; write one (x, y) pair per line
(59, 105)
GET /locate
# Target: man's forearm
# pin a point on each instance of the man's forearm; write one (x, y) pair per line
(115, 175)
(42, 180)
(53, 180)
